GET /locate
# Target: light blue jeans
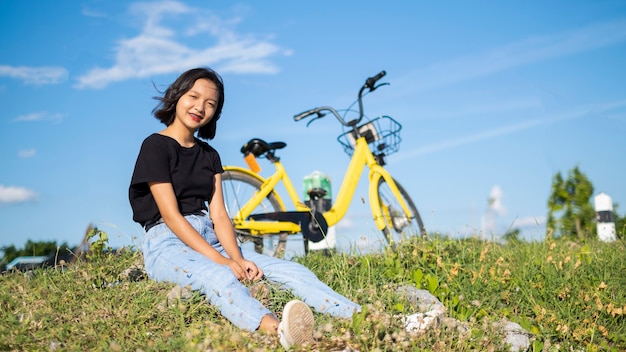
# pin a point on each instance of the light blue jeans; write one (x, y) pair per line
(168, 259)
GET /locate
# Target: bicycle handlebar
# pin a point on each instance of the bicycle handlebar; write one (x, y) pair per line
(370, 84)
(319, 112)
(302, 115)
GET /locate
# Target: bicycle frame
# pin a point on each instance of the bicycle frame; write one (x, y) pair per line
(361, 158)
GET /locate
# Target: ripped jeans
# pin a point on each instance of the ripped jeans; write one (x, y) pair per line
(168, 259)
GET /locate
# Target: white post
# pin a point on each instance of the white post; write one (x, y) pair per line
(604, 217)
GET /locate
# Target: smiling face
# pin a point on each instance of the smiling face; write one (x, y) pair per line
(197, 106)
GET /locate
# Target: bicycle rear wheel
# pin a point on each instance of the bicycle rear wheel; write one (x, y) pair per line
(397, 225)
(238, 188)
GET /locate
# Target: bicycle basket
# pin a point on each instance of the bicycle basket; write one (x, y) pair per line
(381, 133)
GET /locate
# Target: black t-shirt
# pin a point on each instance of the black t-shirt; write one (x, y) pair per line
(190, 171)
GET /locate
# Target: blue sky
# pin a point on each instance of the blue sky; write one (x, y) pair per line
(494, 98)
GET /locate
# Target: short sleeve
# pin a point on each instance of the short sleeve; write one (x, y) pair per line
(152, 163)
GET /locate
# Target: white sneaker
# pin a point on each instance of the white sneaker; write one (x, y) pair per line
(296, 328)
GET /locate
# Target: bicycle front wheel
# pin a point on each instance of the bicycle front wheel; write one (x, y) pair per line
(238, 188)
(397, 225)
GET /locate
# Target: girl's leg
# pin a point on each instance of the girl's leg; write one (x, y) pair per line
(168, 259)
(304, 284)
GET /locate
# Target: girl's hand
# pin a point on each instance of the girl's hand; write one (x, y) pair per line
(253, 273)
(239, 271)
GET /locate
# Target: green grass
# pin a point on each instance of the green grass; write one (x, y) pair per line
(570, 296)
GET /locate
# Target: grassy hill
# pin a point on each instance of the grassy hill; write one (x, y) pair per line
(570, 296)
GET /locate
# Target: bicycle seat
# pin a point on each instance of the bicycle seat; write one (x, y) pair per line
(259, 147)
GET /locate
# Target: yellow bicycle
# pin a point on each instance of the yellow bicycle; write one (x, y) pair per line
(257, 209)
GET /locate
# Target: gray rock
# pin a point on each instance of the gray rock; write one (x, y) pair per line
(423, 300)
(176, 295)
(431, 313)
(430, 309)
(514, 335)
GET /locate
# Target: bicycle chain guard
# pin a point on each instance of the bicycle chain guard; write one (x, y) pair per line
(314, 228)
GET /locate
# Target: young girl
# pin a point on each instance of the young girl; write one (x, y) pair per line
(175, 176)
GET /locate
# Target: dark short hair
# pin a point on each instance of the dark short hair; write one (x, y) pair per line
(165, 111)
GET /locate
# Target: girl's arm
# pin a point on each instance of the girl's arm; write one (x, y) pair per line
(165, 198)
(225, 232)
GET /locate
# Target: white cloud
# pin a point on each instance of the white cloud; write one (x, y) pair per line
(27, 153)
(12, 194)
(39, 116)
(89, 12)
(159, 49)
(35, 75)
(346, 223)
(513, 55)
(524, 52)
(452, 143)
(554, 117)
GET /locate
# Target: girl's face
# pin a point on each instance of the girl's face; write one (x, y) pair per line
(197, 106)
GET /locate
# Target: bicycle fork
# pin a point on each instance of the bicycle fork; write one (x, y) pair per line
(382, 213)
